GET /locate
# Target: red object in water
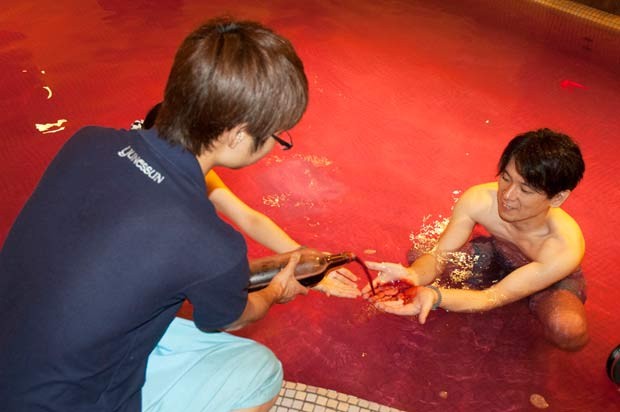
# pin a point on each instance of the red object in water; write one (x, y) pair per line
(411, 292)
(407, 295)
(394, 290)
(569, 84)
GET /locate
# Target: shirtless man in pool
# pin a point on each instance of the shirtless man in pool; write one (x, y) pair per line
(538, 244)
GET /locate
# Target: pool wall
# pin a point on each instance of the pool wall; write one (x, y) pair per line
(591, 34)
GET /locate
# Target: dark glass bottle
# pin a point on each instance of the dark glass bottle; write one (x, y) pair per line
(312, 267)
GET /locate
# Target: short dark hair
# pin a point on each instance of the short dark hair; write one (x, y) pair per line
(549, 161)
(229, 73)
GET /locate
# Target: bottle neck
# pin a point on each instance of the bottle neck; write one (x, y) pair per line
(339, 259)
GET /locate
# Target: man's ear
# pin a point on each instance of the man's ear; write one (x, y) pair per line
(558, 199)
(234, 136)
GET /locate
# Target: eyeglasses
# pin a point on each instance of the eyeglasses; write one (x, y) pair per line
(286, 144)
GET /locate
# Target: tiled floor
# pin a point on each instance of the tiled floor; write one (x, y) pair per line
(298, 397)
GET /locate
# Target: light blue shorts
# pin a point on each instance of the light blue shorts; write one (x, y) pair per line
(190, 370)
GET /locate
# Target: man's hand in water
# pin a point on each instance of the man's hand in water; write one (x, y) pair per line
(421, 305)
(340, 283)
(388, 272)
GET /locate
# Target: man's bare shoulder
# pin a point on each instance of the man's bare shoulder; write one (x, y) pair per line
(482, 189)
(479, 199)
(564, 228)
(564, 246)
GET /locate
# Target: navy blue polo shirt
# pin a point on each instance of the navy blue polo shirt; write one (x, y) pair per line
(117, 234)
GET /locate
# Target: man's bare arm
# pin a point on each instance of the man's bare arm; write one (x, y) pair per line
(522, 282)
(558, 259)
(457, 233)
(428, 266)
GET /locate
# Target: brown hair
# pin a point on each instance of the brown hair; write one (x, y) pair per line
(227, 74)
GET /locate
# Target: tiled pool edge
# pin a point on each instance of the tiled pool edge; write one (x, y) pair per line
(299, 397)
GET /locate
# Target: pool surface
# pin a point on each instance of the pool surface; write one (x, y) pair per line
(411, 102)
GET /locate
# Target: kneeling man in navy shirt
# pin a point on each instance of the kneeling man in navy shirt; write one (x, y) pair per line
(119, 232)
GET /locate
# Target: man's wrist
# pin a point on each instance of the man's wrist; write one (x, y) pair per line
(272, 293)
(438, 294)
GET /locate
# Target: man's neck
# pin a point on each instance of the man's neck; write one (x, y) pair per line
(533, 226)
(206, 161)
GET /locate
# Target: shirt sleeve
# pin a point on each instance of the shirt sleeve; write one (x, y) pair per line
(219, 301)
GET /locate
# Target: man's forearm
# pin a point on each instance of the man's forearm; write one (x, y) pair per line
(266, 232)
(425, 269)
(256, 308)
(459, 300)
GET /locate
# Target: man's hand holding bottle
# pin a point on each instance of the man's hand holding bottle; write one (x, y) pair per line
(285, 283)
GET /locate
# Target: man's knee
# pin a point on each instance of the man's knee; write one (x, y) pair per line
(211, 372)
(568, 330)
(263, 358)
(263, 373)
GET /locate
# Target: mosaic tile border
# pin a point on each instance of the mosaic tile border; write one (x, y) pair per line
(601, 17)
(299, 397)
